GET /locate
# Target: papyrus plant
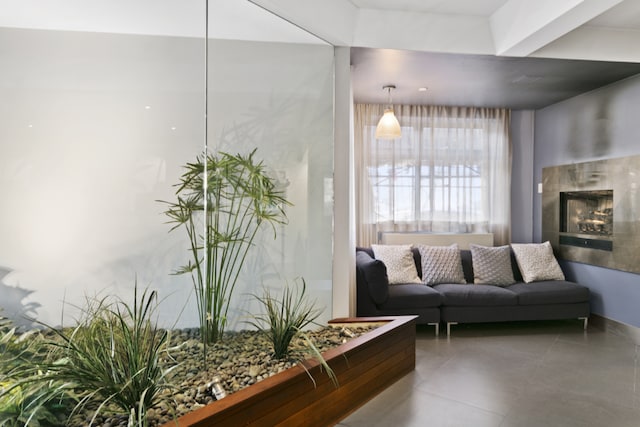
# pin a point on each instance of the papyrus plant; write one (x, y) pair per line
(222, 202)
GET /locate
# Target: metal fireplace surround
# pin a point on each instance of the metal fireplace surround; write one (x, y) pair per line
(591, 212)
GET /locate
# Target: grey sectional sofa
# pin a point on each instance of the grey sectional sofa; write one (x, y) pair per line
(471, 303)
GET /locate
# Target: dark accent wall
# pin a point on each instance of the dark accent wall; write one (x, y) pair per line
(601, 124)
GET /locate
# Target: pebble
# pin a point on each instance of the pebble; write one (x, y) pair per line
(240, 360)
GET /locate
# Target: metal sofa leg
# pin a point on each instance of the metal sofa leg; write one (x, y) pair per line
(449, 327)
(437, 325)
(585, 320)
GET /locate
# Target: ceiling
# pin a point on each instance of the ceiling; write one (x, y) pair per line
(520, 54)
(477, 80)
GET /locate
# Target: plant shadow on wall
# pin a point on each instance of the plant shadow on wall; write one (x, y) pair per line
(223, 200)
(12, 302)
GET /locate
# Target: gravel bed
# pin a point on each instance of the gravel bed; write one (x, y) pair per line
(239, 360)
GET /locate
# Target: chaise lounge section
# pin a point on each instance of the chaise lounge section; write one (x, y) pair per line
(376, 298)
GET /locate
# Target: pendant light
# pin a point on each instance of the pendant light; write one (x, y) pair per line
(388, 126)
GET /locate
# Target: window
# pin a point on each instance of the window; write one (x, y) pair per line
(446, 174)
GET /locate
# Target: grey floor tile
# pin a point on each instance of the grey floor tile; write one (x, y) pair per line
(521, 374)
(419, 409)
(552, 407)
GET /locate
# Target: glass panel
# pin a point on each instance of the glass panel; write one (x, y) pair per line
(98, 123)
(276, 96)
(95, 126)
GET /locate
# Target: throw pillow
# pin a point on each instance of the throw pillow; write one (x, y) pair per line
(537, 262)
(399, 262)
(491, 266)
(441, 264)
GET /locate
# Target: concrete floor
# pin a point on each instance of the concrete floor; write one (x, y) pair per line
(523, 374)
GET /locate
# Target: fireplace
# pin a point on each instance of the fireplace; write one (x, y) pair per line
(591, 212)
(586, 219)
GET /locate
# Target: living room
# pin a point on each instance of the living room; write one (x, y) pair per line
(104, 105)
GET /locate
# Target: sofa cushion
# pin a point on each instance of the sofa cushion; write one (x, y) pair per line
(537, 262)
(398, 259)
(550, 292)
(375, 273)
(441, 264)
(492, 265)
(475, 295)
(412, 296)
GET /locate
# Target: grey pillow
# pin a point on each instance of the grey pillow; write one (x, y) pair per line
(491, 265)
(537, 262)
(441, 264)
(398, 259)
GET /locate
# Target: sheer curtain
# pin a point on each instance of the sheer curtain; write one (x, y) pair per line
(450, 172)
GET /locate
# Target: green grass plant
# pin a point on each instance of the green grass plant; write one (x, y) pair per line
(285, 316)
(20, 403)
(109, 362)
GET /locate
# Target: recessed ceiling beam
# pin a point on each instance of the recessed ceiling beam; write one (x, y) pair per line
(521, 27)
(434, 32)
(596, 44)
(341, 23)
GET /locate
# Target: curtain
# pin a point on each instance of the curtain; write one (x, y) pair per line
(449, 172)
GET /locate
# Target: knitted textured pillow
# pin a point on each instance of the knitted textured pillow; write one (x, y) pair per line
(399, 262)
(491, 266)
(537, 262)
(441, 264)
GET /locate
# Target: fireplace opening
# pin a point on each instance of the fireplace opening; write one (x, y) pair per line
(586, 218)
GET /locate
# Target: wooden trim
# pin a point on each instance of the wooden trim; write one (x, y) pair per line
(365, 366)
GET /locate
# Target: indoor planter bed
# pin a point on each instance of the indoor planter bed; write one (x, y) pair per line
(364, 366)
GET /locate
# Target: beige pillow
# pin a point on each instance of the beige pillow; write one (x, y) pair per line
(491, 265)
(441, 264)
(537, 262)
(398, 259)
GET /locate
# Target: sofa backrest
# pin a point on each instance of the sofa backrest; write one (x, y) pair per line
(467, 263)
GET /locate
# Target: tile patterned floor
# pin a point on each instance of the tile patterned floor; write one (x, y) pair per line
(523, 374)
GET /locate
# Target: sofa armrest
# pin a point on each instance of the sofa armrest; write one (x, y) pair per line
(374, 273)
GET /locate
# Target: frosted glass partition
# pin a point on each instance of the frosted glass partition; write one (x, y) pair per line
(96, 127)
(278, 98)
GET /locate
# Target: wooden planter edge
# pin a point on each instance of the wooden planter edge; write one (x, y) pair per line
(305, 396)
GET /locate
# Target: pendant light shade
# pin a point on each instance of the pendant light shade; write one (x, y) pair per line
(388, 126)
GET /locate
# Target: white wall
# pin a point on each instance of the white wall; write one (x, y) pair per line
(344, 237)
